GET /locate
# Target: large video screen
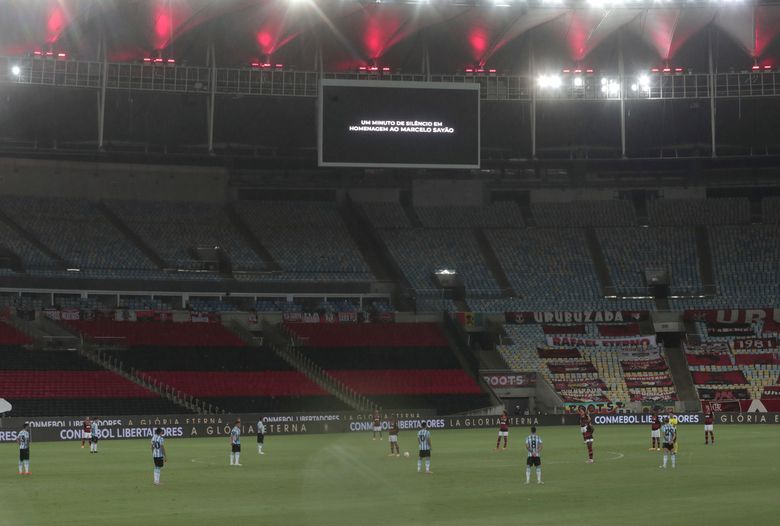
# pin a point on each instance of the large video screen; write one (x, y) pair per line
(398, 124)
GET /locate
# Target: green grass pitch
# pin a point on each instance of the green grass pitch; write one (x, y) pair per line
(346, 479)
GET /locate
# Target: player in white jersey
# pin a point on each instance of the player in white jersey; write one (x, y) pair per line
(260, 436)
(93, 441)
(669, 434)
(159, 455)
(235, 443)
(23, 439)
(533, 444)
(424, 443)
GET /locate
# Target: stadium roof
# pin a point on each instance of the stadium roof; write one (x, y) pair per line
(455, 33)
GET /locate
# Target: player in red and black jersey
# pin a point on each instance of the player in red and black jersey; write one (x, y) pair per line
(86, 431)
(377, 425)
(709, 420)
(393, 438)
(655, 432)
(503, 429)
(586, 427)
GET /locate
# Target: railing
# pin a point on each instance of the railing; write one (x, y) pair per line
(259, 82)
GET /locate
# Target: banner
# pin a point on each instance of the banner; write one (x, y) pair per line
(508, 379)
(574, 367)
(52, 313)
(316, 317)
(649, 381)
(722, 359)
(588, 316)
(70, 314)
(736, 329)
(644, 419)
(721, 406)
(652, 353)
(199, 426)
(757, 359)
(723, 394)
(644, 365)
(574, 341)
(731, 316)
(771, 392)
(719, 378)
(753, 344)
(627, 329)
(595, 383)
(593, 407)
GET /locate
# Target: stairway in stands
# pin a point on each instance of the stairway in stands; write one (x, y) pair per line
(681, 375)
(599, 262)
(286, 350)
(134, 238)
(706, 269)
(493, 263)
(251, 239)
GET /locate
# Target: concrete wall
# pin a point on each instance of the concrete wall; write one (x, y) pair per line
(97, 181)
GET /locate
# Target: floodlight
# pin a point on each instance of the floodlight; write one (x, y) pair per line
(16, 70)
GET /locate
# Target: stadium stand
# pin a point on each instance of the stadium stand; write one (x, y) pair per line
(175, 229)
(630, 251)
(496, 215)
(232, 378)
(309, 240)
(716, 211)
(166, 334)
(10, 336)
(56, 383)
(584, 213)
(421, 252)
(396, 365)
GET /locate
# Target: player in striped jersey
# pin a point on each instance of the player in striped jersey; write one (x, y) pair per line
(424, 443)
(669, 434)
(159, 455)
(533, 444)
(93, 441)
(260, 436)
(235, 443)
(23, 439)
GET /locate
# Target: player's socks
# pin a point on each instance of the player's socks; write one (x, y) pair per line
(498, 442)
(666, 458)
(27, 467)
(590, 451)
(20, 467)
(527, 475)
(538, 475)
(232, 458)
(237, 456)
(674, 460)
(427, 466)
(505, 439)
(419, 466)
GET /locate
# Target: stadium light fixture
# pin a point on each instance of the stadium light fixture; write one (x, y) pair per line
(16, 71)
(549, 81)
(578, 82)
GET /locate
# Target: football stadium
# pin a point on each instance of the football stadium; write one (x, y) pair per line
(415, 262)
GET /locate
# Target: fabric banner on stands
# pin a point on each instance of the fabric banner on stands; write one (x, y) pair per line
(574, 341)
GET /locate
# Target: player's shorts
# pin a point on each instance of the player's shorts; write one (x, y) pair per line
(503, 433)
(425, 453)
(393, 439)
(670, 447)
(159, 462)
(708, 427)
(534, 461)
(655, 433)
(94, 439)
(260, 438)
(587, 437)
(236, 448)
(24, 454)
(377, 429)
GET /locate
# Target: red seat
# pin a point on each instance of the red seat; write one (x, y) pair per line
(10, 336)
(239, 384)
(160, 334)
(69, 384)
(412, 382)
(369, 334)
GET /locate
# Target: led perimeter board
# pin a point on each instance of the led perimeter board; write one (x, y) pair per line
(389, 124)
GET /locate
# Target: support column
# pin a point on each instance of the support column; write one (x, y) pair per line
(712, 94)
(426, 60)
(532, 87)
(103, 58)
(622, 77)
(211, 62)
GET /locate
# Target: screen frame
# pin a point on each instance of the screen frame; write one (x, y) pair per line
(470, 86)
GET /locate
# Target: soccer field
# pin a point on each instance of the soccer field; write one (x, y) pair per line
(348, 479)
